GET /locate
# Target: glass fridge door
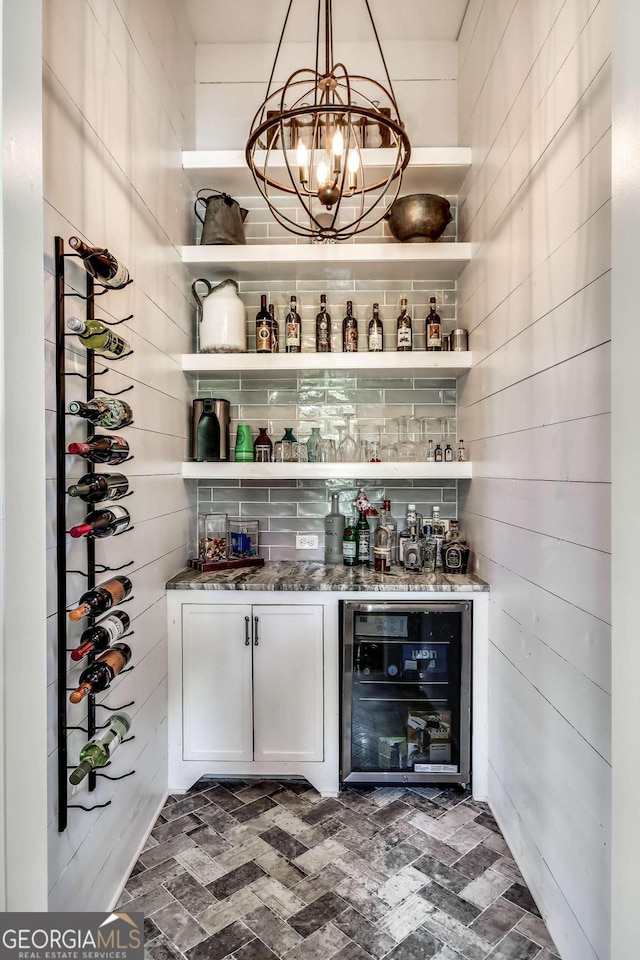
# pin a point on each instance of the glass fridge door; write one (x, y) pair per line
(405, 693)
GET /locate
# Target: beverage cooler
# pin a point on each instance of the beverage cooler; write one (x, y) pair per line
(406, 692)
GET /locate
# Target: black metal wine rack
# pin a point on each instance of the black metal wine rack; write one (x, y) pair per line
(93, 290)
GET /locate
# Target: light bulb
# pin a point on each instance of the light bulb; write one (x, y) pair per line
(323, 172)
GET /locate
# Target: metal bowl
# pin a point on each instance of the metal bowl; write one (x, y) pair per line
(419, 218)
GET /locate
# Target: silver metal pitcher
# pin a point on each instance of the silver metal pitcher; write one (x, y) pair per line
(223, 218)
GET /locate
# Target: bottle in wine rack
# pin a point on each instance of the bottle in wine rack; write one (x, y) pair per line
(95, 487)
(106, 412)
(100, 264)
(98, 751)
(101, 635)
(101, 598)
(98, 675)
(107, 522)
(101, 450)
(94, 335)
(293, 328)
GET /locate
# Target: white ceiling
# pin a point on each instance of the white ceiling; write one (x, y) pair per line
(250, 21)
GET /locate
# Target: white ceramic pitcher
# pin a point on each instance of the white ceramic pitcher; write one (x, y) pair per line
(222, 318)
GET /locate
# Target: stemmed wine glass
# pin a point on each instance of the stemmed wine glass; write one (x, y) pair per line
(348, 448)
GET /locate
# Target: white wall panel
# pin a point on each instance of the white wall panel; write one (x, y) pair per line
(534, 104)
(119, 108)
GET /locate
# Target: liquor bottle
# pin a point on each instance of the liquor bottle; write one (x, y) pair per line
(293, 328)
(333, 532)
(264, 328)
(448, 454)
(404, 333)
(430, 453)
(437, 534)
(107, 522)
(97, 752)
(455, 550)
(434, 330)
(101, 264)
(363, 534)
(392, 524)
(275, 330)
(461, 452)
(438, 453)
(350, 544)
(102, 449)
(97, 676)
(323, 327)
(101, 598)
(350, 331)
(382, 545)
(262, 447)
(409, 531)
(101, 635)
(95, 487)
(95, 336)
(106, 412)
(375, 334)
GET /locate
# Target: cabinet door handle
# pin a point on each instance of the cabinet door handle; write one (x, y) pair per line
(246, 632)
(255, 631)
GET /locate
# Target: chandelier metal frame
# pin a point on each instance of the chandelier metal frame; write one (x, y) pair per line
(332, 109)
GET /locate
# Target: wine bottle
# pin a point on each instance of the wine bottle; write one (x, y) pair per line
(382, 545)
(323, 327)
(275, 330)
(102, 449)
(264, 328)
(95, 336)
(104, 412)
(350, 544)
(350, 331)
(101, 635)
(293, 328)
(98, 751)
(375, 343)
(107, 522)
(98, 675)
(363, 534)
(102, 598)
(434, 329)
(101, 264)
(94, 487)
(404, 332)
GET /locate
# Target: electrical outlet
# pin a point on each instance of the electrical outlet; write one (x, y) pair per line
(306, 541)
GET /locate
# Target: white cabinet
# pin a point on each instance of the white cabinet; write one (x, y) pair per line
(287, 683)
(252, 679)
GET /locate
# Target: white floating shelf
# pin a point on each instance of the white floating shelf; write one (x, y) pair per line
(326, 471)
(340, 261)
(431, 169)
(388, 363)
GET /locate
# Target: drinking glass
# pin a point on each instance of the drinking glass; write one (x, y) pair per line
(405, 449)
(348, 448)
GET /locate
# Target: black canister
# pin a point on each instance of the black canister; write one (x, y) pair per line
(210, 429)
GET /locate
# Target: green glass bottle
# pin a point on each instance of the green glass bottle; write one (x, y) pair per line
(363, 535)
(94, 335)
(98, 751)
(350, 544)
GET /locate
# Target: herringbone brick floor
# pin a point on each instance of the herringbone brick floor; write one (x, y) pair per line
(258, 870)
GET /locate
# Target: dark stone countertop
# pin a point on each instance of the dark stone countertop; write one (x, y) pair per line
(284, 575)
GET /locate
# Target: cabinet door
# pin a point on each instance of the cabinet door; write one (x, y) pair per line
(288, 683)
(216, 682)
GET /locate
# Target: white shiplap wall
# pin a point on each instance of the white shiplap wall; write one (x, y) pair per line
(118, 109)
(534, 104)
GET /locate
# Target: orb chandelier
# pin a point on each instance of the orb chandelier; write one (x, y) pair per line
(307, 138)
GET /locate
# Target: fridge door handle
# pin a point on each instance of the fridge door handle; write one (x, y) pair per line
(255, 631)
(247, 642)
